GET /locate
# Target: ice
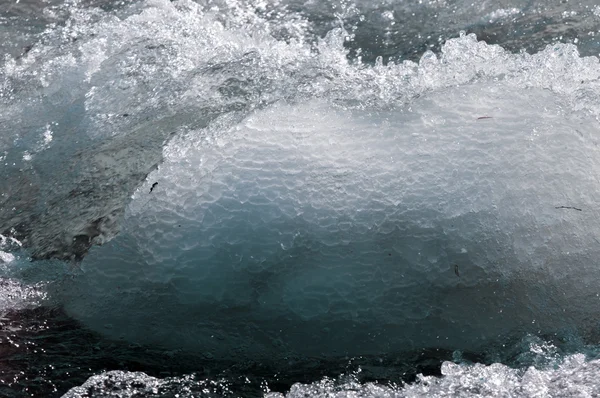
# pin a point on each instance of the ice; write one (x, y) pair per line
(277, 184)
(460, 220)
(278, 194)
(87, 110)
(90, 95)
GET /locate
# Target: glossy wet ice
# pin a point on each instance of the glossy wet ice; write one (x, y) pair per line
(283, 195)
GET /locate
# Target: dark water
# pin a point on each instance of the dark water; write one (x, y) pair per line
(46, 353)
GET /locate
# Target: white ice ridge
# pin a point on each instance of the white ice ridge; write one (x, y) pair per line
(468, 216)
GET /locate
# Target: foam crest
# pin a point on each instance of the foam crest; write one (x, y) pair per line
(568, 376)
(574, 377)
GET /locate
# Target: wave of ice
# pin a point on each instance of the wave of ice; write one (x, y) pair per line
(447, 204)
(91, 89)
(307, 204)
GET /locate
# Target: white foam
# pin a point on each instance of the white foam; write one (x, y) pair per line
(503, 13)
(6, 257)
(133, 384)
(574, 377)
(15, 295)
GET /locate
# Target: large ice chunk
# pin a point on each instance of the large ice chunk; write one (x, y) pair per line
(468, 216)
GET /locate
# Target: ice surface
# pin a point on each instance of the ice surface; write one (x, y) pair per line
(307, 203)
(459, 220)
(286, 193)
(111, 85)
(109, 89)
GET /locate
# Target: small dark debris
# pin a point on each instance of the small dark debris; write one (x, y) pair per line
(153, 186)
(27, 48)
(125, 114)
(456, 270)
(484, 117)
(568, 207)
(389, 254)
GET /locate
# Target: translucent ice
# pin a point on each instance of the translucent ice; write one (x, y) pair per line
(89, 95)
(307, 203)
(461, 219)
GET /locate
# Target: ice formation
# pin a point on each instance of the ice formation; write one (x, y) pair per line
(461, 219)
(91, 89)
(291, 200)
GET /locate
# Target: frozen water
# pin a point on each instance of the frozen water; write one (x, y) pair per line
(462, 218)
(280, 190)
(376, 201)
(110, 85)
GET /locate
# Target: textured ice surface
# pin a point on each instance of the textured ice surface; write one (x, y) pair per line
(87, 110)
(89, 95)
(308, 204)
(463, 218)
(316, 200)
